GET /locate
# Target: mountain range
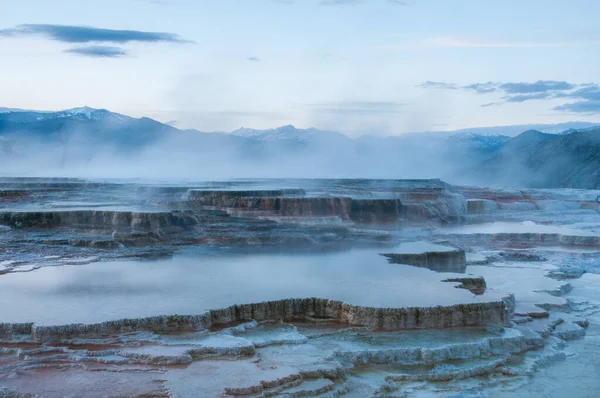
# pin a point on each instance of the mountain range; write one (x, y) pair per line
(561, 155)
(98, 126)
(536, 159)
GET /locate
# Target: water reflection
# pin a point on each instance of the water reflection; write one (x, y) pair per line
(192, 284)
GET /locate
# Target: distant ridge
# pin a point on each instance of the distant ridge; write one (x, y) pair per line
(559, 155)
(543, 160)
(95, 126)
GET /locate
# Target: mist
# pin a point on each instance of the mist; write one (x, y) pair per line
(97, 144)
(200, 156)
(193, 155)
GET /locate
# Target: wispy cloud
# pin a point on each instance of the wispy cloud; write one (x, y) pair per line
(482, 88)
(516, 91)
(98, 51)
(587, 100)
(87, 34)
(529, 97)
(441, 85)
(588, 91)
(586, 96)
(540, 86)
(253, 59)
(590, 107)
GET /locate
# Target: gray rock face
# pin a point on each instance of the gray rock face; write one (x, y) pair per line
(513, 255)
(13, 195)
(487, 313)
(237, 198)
(376, 211)
(11, 393)
(100, 244)
(443, 261)
(297, 207)
(98, 219)
(479, 206)
(409, 205)
(449, 372)
(135, 239)
(477, 285)
(418, 355)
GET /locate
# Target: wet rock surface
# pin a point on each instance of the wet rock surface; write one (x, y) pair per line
(486, 290)
(136, 220)
(449, 259)
(273, 358)
(332, 311)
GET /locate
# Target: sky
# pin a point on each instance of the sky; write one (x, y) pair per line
(358, 67)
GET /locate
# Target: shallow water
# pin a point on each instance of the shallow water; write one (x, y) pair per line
(578, 375)
(569, 249)
(198, 279)
(193, 284)
(524, 227)
(421, 247)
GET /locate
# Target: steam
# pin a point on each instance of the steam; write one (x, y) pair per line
(202, 156)
(147, 150)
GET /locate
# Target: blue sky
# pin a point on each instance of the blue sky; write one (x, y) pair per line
(372, 66)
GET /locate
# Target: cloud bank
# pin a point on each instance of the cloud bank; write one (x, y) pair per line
(98, 51)
(91, 35)
(585, 98)
(88, 34)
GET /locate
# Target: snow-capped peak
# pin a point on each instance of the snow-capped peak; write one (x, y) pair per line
(283, 132)
(84, 110)
(288, 133)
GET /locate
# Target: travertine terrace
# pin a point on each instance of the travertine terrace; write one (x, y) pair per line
(289, 287)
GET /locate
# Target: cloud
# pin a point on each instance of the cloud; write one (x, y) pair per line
(540, 89)
(585, 96)
(87, 34)
(482, 88)
(529, 97)
(401, 2)
(442, 85)
(588, 92)
(588, 99)
(358, 107)
(591, 107)
(536, 87)
(98, 51)
(253, 59)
